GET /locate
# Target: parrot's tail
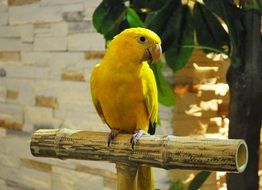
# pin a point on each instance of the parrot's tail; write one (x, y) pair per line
(145, 178)
(134, 177)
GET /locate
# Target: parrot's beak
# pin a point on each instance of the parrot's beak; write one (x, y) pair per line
(155, 52)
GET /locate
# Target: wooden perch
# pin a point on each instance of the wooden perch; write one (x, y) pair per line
(169, 152)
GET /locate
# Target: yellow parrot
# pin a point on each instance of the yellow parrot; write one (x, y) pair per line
(124, 90)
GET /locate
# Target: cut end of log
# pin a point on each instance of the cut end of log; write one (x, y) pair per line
(242, 156)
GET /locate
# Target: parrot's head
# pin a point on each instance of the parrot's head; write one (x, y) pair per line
(138, 43)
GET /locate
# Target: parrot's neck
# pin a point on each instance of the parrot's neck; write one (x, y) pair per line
(122, 60)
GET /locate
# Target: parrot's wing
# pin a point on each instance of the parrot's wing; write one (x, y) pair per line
(150, 96)
(93, 93)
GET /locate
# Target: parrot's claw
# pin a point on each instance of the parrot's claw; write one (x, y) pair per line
(113, 133)
(136, 136)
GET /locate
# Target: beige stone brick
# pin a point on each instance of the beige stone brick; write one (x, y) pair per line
(50, 29)
(2, 134)
(10, 124)
(11, 94)
(24, 87)
(81, 27)
(33, 178)
(165, 112)
(9, 32)
(16, 146)
(3, 92)
(110, 177)
(89, 11)
(94, 54)
(92, 3)
(90, 7)
(66, 90)
(73, 7)
(13, 56)
(21, 2)
(73, 76)
(46, 101)
(162, 178)
(85, 42)
(75, 16)
(2, 73)
(3, 185)
(50, 43)
(54, 60)
(3, 18)
(12, 184)
(39, 116)
(3, 5)
(66, 179)
(81, 120)
(26, 72)
(59, 2)
(11, 114)
(28, 127)
(75, 105)
(76, 66)
(7, 172)
(33, 164)
(33, 13)
(14, 45)
(27, 33)
(8, 160)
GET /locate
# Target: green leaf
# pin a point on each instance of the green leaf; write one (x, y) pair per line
(198, 180)
(163, 22)
(209, 31)
(108, 16)
(182, 47)
(133, 19)
(165, 92)
(252, 4)
(178, 185)
(172, 27)
(148, 6)
(100, 13)
(231, 14)
(157, 21)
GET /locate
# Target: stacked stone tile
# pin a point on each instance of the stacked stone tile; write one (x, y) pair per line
(201, 106)
(47, 50)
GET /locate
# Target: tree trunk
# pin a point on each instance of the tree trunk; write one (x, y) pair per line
(245, 109)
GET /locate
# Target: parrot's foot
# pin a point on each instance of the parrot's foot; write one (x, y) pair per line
(136, 136)
(112, 135)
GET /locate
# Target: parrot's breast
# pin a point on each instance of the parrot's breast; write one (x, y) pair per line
(121, 99)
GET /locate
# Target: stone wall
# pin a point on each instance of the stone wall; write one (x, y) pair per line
(47, 50)
(201, 106)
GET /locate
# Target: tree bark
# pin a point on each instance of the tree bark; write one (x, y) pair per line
(245, 109)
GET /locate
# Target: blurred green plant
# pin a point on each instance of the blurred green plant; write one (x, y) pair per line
(177, 185)
(181, 26)
(195, 184)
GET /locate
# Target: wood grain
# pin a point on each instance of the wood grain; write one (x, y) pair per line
(169, 152)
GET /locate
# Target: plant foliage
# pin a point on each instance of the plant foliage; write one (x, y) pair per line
(180, 26)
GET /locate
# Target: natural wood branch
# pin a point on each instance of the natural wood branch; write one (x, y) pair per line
(169, 152)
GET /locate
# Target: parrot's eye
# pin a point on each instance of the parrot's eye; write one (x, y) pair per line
(141, 39)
